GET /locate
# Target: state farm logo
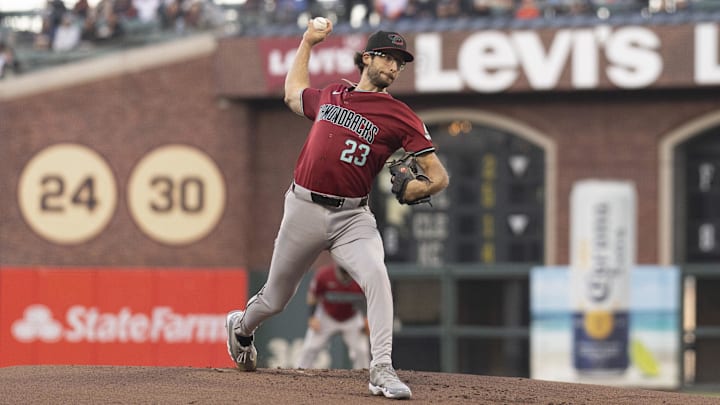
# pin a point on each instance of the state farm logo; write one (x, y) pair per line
(89, 324)
(37, 323)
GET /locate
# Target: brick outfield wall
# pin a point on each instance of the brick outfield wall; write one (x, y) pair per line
(255, 144)
(122, 118)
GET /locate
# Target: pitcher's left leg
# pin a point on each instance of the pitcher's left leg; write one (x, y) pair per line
(365, 261)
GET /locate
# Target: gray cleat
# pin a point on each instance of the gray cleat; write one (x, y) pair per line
(245, 357)
(384, 381)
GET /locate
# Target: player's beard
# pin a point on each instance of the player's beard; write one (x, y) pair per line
(378, 79)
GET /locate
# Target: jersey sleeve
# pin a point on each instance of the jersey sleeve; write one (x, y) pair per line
(310, 102)
(417, 138)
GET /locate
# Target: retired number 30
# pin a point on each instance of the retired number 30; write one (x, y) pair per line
(188, 194)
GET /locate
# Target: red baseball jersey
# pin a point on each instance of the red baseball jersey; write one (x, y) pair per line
(338, 299)
(353, 135)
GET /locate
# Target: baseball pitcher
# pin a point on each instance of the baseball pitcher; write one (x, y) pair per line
(356, 128)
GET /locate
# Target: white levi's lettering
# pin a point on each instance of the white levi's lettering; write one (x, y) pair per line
(492, 61)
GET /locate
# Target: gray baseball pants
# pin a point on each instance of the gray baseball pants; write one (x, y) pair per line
(350, 234)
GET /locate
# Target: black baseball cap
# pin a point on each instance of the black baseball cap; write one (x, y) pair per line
(389, 41)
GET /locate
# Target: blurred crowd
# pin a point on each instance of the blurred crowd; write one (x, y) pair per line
(359, 12)
(66, 28)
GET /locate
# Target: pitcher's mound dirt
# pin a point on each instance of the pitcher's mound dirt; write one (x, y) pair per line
(178, 385)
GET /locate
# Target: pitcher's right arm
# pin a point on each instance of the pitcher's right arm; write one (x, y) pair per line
(298, 77)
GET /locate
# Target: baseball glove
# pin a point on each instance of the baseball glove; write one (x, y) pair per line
(402, 171)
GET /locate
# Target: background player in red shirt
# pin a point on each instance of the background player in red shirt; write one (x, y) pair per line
(356, 128)
(336, 303)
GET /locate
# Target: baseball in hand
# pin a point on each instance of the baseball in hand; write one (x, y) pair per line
(320, 23)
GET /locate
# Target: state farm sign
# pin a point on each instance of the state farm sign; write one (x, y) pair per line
(90, 324)
(170, 317)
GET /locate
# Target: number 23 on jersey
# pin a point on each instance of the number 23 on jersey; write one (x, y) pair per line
(355, 153)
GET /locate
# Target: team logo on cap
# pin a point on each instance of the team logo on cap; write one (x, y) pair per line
(396, 39)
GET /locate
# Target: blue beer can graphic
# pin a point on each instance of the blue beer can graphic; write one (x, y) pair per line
(602, 243)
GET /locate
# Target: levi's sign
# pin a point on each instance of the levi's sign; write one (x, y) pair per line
(332, 59)
(581, 58)
(628, 57)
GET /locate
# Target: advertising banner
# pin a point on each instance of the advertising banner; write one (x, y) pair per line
(653, 330)
(603, 57)
(602, 245)
(331, 60)
(113, 316)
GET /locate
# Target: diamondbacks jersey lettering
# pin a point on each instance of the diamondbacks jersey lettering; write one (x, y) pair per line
(350, 120)
(353, 135)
